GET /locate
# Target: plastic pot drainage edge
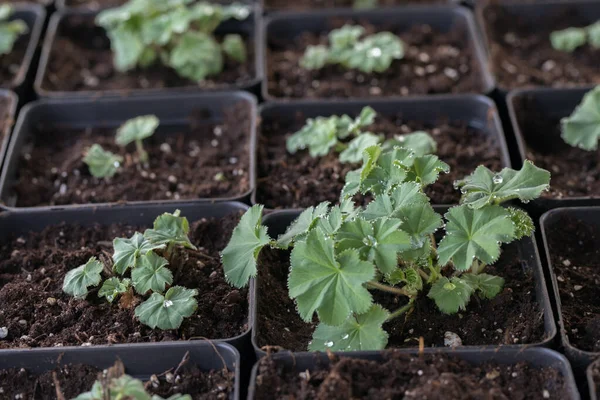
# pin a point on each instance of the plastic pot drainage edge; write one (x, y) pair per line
(250, 27)
(591, 215)
(538, 357)
(442, 17)
(556, 103)
(476, 111)
(21, 223)
(170, 108)
(278, 221)
(141, 361)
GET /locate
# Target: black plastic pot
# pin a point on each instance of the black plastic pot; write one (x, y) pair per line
(22, 223)
(62, 5)
(589, 373)
(247, 27)
(172, 110)
(443, 18)
(414, 2)
(555, 104)
(140, 361)
(591, 215)
(538, 357)
(34, 16)
(475, 110)
(278, 221)
(9, 115)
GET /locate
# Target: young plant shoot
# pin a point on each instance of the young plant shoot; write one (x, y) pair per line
(372, 53)
(104, 164)
(341, 253)
(582, 128)
(572, 38)
(10, 31)
(177, 33)
(141, 264)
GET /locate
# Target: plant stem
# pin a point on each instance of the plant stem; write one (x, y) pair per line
(423, 274)
(402, 310)
(477, 267)
(389, 289)
(433, 244)
(143, 155)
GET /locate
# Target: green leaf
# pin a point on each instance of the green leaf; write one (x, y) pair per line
(346, 36)
(582, 128)
(426, 169)
(419, 220)
(358, 333)
(151, 274)
(10, 31)
(484, 187)
(419, 142)
(196, 56)
(352, 185)
(301, 225)
(127, 47)
(170, 229)
(113, 287)
(137, 128)
(524, 226)
(6, 10)
(487, 285)
(168, 311)
(354, 152)
(452, 295)
(331, 223)
(568, 39)
(102, 163)
(315, 57)
(414, 282)
(364, 4)
(390, 171)
(474, 234)
(318, 136)
(355, 179)
(235, 48)
(78, 280)
(128, 251)
(333, 287)
(393, 204)
(379, 241)
(375, 53)
(247, 240)
(593, 32)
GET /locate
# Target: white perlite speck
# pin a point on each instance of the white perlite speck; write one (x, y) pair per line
(451, 339)
(3, 332)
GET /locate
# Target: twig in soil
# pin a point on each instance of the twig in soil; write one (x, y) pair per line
(184, 360)
(59, 393)
(421, 345)
(214, 347)
(201, 254)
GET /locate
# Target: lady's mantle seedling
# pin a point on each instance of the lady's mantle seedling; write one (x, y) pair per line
(104, 164)
(582, 128)
(372, 53)
(571, 38)
(177, 33)
(147, 256)
(340, 253)
(10, 31)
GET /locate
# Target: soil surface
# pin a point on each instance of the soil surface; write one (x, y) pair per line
(298, 180)
(434, 62)
(199, 160)
(575, 172)
(76, 379)
(38, 313)
(403, 376)
(94, 4)
(81, 59)
(11, 63)
(512, 317)
(522, 54)
(281, 5)
(574, 254)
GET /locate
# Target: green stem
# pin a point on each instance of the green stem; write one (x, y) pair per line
(389, 289)
(143, 155)
(423, 274)
(402, 310)
(477, 267)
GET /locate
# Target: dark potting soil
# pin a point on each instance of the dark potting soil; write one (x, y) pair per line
(298, 180)
(434, 62)
(512, 317)
(403, 376)
(202, 159)
(38, 313)
(522, 54)
(11, 63)
(76, 379)
(574, 254)
(81, 59)
(94, 4)
(281, 5)
(575, 172)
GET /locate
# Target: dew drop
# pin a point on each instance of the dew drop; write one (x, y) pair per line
(167, 303)
(329, 344)
(497, 179)
(345, 336)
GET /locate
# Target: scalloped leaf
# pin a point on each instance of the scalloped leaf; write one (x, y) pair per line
(151, 274)
(426, 169)
(301, 225)
(568, 39)
(582, 128)
(168, 311)
(78, 280)
(137, 128)
(170, 229)
(353, 153)
(102, 163)
(450, 295)
(487, 285)
(113, 287)
(128, 251)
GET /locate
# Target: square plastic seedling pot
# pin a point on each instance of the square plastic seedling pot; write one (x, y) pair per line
(278, 221)
(172, 110)
(538, 357)
(555, 103)
(140, 361)
(61, 5)
(22, 223)
(248, 27)
(474, 110)
(591, 215)
(411, 3)
(289, 25)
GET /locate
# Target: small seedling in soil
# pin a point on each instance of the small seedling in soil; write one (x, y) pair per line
(341, 252)
(10, 31)
(148, 257)
(571, 38)
(177, 34)
(582, 128)
(372, 53)
(102, 163)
